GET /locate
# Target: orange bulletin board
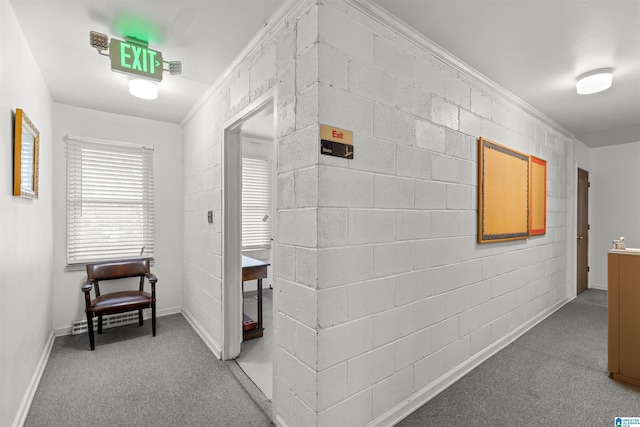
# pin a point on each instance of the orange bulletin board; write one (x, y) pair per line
(503, 193)
(538, 196)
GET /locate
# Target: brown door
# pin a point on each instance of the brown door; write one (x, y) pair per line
(583, 230)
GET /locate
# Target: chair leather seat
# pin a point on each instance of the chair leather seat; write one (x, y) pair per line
(120, 300)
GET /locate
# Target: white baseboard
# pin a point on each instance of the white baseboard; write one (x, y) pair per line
(598, 286)
(146, 314)
(213, 346)
(416, 400)
(166, 312)
(21, 416)
(280, 422)
(61, 332)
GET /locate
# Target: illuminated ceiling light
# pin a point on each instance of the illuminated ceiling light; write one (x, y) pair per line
(98, 40)
(142, 88)
(594, 81)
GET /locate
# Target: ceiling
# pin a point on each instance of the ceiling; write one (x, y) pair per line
(532, 48)
(205, 36)
(536, 48)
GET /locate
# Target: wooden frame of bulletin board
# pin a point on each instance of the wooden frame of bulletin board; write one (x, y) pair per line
(503, 193)
(538, 196)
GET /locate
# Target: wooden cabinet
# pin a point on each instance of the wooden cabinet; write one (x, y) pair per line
(624, 315)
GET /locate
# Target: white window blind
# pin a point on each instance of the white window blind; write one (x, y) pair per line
(256, 203)
(109, 200)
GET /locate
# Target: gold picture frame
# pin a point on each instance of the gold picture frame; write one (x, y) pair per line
(26, 151)
(503, 193)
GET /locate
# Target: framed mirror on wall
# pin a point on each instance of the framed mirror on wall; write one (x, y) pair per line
(25, 157)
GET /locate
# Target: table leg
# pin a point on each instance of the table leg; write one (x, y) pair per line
(260, 304)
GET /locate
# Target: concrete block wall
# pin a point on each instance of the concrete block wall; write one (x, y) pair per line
(284, 63)
(382, 291)
(295, 385)
(405, 295)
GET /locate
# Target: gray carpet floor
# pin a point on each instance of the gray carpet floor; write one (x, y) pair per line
(134, 379)
(555, 374)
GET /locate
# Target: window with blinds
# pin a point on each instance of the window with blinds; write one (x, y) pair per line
(109, 200)
(256, 203)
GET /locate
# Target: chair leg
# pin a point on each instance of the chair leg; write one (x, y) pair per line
(99, 324)
(140, 319)
(153, 318)
(90, 328)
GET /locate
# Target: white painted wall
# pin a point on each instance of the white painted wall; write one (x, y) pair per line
(166, 138)
(273, 66)
(614, 204)
(383, 293)
(26, 290)
(383, 288)
(407, 300)
(581, 155)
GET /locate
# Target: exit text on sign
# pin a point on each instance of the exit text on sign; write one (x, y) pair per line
(131, 58)
(329, 133)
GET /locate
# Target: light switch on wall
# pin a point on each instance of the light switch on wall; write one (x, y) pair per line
(210, 217)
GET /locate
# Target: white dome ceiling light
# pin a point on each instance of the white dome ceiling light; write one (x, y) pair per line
(594, 81)
(142, 88)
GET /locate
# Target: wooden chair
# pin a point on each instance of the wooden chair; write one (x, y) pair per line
(121, 301)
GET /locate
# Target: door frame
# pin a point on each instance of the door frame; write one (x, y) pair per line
(232, 221)
(577, 231)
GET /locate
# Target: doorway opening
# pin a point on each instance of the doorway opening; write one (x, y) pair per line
(249, 245)
(258, 185)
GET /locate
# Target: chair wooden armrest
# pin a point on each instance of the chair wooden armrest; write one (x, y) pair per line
(86, 287)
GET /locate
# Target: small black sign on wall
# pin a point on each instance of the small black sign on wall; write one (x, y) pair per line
(336, 142)
(337, 149)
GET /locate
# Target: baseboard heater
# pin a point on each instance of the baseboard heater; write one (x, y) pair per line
(108, 321)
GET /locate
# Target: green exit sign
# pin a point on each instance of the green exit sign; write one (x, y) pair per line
(132, 58)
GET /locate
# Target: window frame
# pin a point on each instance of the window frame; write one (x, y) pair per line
(131, 185)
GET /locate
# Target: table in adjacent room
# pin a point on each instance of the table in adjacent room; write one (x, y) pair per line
(253, 269)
